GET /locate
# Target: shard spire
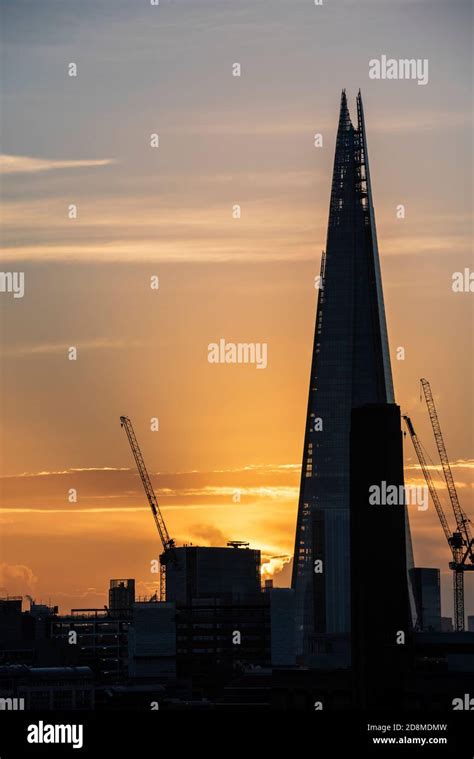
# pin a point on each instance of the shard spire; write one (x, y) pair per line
(376, 260)
(350, 367)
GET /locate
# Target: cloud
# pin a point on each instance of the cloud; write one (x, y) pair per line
(119, 488)
(62, 348)
(257, 469)
(78, 593)
(16, 579)
(21, 164)
(122, 509)
(458, 464)
(278, 492)
(210, 534)
(72, 469)
(274, 565)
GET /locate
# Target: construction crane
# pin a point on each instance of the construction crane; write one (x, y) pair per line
(169, 552)
(461, 519)
(429, 481)
(459, 541)
(454, 539)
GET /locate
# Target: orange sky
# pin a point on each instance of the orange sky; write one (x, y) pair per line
(168, 212)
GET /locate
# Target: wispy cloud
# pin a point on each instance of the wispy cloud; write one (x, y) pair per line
(22, 164)
(70, 511)
(68, 471)
(22, 351)
(261, 469)
(277, 492)
(458, 464)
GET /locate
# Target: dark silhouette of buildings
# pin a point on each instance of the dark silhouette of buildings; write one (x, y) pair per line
(96, 638)
(121, 595)
(46, 688)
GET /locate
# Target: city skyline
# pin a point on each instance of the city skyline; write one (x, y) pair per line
(144, 353)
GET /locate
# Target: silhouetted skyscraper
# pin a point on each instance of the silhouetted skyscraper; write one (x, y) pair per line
(380, 621)
(350, 367)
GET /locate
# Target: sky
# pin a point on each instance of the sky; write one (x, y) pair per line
(226, 459)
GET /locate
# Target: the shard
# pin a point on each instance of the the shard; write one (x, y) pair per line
(350, 368)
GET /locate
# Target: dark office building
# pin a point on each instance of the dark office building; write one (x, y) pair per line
(426, 588)
(99, 640)
(24, 635)
(217, 636)
(282, 619)
(232, 574)
(350, 368)
(152, 641)
(381, 617)
(46, 688)
(10, 618)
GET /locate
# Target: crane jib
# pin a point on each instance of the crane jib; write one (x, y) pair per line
(166, 541)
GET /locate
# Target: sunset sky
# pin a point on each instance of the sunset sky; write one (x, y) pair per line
(167, 211)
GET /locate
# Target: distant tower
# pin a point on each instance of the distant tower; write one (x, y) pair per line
(426, 588)
(350, 368)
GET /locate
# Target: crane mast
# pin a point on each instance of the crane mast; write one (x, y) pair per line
(461, 519)
(169, 553)
(428, 479)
